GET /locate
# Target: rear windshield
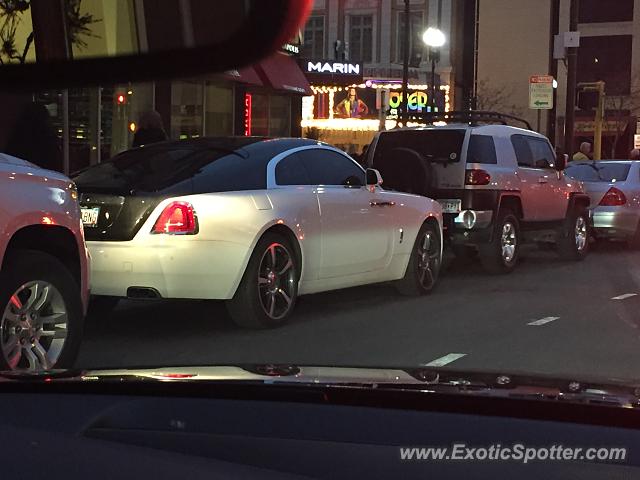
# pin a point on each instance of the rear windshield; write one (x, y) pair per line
(432, 145)
(177, 171)
(599, 172)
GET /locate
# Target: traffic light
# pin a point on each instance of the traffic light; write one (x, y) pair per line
(121, 98)
(587, 99)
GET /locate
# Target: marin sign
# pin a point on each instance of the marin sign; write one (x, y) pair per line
(331, 72)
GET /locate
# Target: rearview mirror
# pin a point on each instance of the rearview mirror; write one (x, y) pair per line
(561, 162)
(374, 178)
(79, 42)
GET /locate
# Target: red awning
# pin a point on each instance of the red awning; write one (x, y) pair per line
(283, 73)
(244, 75)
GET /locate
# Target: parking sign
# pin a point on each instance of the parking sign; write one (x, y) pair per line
(541, 92)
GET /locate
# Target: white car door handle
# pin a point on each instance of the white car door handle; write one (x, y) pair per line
(379, 203)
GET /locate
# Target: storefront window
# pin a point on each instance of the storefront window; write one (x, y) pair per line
(279, 116)
(218, 110)
(259, 114)
(186, 110)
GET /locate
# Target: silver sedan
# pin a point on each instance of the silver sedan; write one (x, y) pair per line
(614, 188)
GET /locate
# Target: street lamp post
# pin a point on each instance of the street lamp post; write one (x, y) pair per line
(434, 39)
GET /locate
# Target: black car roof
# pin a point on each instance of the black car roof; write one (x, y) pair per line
(261, 145)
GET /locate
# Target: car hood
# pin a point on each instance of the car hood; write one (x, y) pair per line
(601, 391)
(36, 170)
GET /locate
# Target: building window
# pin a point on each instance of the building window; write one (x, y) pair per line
(186, 110)
(606, 58)
(314, 38)
(270, 115)
(599, 11)
(218, 118)
(361, 38)
(417, 29)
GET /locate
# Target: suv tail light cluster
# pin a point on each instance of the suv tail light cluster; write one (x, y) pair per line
(178, 218)
(477, 177)
(613, 198)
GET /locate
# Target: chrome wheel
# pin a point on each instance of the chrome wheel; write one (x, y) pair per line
(428, 260)
(508, 242)
(33, 330)
(581, 233)
(276, 281)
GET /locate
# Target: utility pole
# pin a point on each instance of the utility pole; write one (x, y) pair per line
(405, 65)
(553, 69)
(572, 67)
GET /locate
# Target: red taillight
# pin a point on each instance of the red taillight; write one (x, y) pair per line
(613, 198)
(477, 177)
(177, 218)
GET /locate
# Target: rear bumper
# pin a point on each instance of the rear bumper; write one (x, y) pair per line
(457, 232)
(176, 267)
(614, 222)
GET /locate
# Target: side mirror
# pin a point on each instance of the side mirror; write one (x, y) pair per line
(373, 177)
(561, 162)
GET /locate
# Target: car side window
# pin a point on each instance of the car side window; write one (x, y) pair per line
(482, 149)
(541, 152)
(291, 171)
(326, 167)
(523, 151)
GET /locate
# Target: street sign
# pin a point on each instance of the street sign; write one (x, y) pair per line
(541, 92)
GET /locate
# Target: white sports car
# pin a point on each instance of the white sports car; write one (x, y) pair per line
(253, 221)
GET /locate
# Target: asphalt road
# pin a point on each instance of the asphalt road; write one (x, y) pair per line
(549, 316)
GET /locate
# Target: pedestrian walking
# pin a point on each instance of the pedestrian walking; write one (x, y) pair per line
(584, 153)
(150, 129)
(634, 154)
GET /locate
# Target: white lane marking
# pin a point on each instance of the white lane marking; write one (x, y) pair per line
(624, 297)
(442, 361)
(543, 321)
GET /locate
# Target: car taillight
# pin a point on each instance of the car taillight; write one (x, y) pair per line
(613, 198)
(178, 218)
(477, 177)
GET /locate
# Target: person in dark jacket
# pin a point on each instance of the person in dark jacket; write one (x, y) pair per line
(33, 138)
(150, 129)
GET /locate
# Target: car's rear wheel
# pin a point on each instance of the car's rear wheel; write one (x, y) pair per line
(501, 254)
(41, 308)
(573, 239)
(268, 290)
(424, 265)
(634, 241)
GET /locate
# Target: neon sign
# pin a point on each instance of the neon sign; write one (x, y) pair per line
(247, 114)
(417, 100)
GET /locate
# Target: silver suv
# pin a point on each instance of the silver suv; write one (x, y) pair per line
(499, 187)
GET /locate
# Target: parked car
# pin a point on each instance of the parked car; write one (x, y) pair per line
(253, 221)
(614, 188)
(499, 186)
(44, 273)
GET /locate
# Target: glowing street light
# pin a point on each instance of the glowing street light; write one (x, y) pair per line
(435, 39)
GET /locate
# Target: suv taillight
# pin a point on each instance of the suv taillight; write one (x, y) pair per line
(613, 198)
(477, 177)
(178, 218)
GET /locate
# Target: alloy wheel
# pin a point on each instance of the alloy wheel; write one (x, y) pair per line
(508, 242)
(581, 233)
(428, 260)
(276, 281)
(33, 329)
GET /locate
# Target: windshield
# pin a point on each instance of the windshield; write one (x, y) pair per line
(604, 172)
(220, 213)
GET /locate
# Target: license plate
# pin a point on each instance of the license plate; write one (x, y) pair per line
(90, 216)
(451, 206)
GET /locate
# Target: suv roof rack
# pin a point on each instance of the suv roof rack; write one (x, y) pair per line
(474, 117)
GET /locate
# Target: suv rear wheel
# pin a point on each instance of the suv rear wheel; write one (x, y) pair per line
(41, 313)
(501, 254)
(573, 239)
